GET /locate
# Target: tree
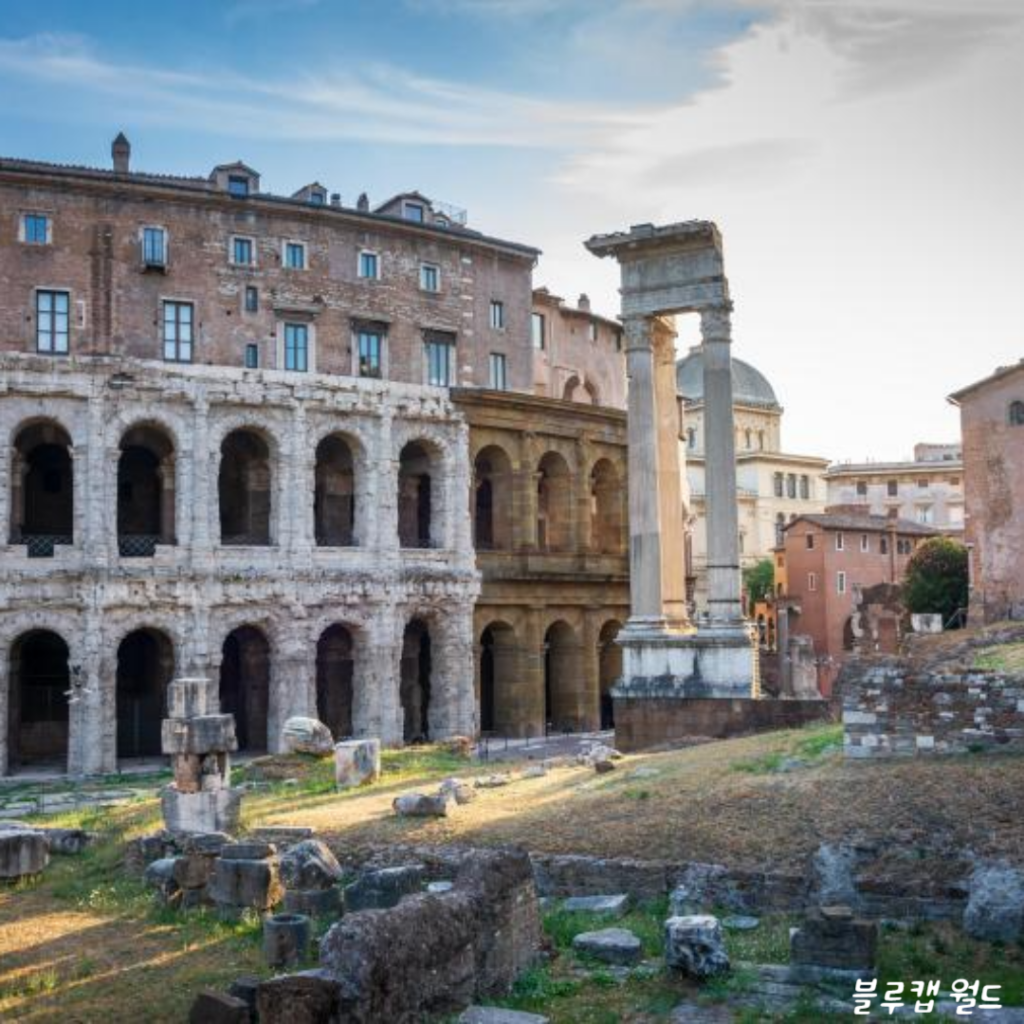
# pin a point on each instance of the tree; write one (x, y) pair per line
(936, 580)
(759, 582)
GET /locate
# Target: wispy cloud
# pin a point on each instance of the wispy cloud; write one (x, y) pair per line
(239, 11)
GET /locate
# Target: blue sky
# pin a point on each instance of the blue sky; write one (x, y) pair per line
(861, 156)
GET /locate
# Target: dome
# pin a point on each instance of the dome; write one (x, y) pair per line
(749, 386)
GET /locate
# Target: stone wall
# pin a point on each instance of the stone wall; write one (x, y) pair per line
(891, 708)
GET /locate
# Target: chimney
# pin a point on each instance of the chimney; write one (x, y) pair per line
(584, 302)
(335, 199)
(363, 204)
(121, 151)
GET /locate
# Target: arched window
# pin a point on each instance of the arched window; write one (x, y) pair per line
(334, 498)
(244, 487)
(145, 492)
(554, 504)
(492, 500)
(415, 497)
(42, 489)
(606, 512)
(1017, 414)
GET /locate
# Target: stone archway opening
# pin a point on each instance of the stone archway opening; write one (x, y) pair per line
(245, 686)
(415, 497)
(415, 682)
(609, 661)
(42, 489)
(497, 679)
(244, 489)
(335, 670)
(37, 707)
(563, 678)
(554, 504)
(145, 666)
(334, 497)
(145, 492)
(606, 510)
(492, 505)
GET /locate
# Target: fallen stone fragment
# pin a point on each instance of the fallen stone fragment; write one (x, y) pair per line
(741, 923)
(356, 763)
(492, 781)
(608, 906)
(534, 771)
(459, 790)
(239, 884)
(309, 865)
(211, 1007)
(437, 888)
(499, 1015)
(694, 945)
(68, 841)
(306, 736)
(282, 836)
(285, 939)
(246, 988)
(995, 907)
(833, 937)
(309, 997)
(247, 851)
(610, 945)
(420, 805)
(22, 852)
(383, 888)
(604, 766)
(313, 902)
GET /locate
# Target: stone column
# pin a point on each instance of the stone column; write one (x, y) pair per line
(724, 604)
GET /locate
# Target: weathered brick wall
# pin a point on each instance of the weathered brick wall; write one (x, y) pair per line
(891, 710)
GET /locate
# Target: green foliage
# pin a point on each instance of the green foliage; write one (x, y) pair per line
(936, 580)
(1001, 658)
(759, 581)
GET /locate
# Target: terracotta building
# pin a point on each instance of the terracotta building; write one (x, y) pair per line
(992, 425)
(828, 562)
(237, 446)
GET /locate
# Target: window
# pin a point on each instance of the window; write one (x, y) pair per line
(892, 488)
(537, 330)
(413, 211)
(922, 483)
(748, 438)
(369, 265)
(883, 545)
(924, 513)
(154, 247)
(238, 185)
(295, 255)
(498, 372)
(956, 515)
(440, 360)
(954, 481)
(810, 542)
(35, 229)
(430, 277)
(178, 332)
(840, 582)
(252, 356)
(865, 542)
(691, 438)
(812, 581)
(862, 488)
(840, 541)
(593, 330)
(296, 347)
(52, 322)
(1016, 413)
(242, 252)
(805, 487)
(778, 483)
(780, 530)
(497, 315)
(791, 485)
(252, 299)
(316, 198)
(370, 346)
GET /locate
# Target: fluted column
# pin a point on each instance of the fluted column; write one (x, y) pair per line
(724, 603)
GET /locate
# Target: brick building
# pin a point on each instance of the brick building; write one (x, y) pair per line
(992, 426)
(233, 450)
(828, 563)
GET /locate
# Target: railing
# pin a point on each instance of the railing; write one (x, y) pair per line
(254, 540)
(137, 545)
(42, 545)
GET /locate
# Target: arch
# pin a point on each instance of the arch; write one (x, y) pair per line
(42, 488)
(554, 503)
(417, 466)
(244, 484)
(245, 685)
(145, 665)
(1016, 413)
(591, 389)
(414, 686)
(335, 663)
(145, 490)
(606, 508)
(492, 499)
(334, 495)
(569, 390)
(498, 650)
(563, 677)
(609, 661)
(37, 704)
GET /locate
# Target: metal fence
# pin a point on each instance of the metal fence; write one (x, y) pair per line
(137, 545)
(42, 545)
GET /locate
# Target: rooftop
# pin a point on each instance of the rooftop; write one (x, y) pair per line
(864, 522)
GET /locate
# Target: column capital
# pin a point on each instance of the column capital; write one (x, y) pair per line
(638, 332)
(716, 322)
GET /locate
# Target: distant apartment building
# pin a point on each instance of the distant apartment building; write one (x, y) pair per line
(823, 570)
(928, 490)
(992, 425)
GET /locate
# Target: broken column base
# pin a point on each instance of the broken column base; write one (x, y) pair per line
(214, 810)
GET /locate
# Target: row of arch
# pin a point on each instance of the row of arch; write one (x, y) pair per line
(554, 504)
(42, 496)
(40, 684)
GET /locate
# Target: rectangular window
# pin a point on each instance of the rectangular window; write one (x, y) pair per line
(371, 344)
(865, 542)
(35, 228)
(840, 582)
(840, 542)
(779, 485)
(369, 265)
(805, 487)
(413, 211)
(892, 488)
(430, 277)
(810, 542)
(252, 299)
(812, 581)
(242, 252)
(497, 315)
(593, 330)
(924, 513)
(238, 185)
(154, 247)
(178, 319)
(791, 485)
(52, 322)
(883, 545)
(922, 483)
(440, 361)
(252, 356)
(537, 330)
(295, 255)
(862, 488)
(498, 372)
(296, 347)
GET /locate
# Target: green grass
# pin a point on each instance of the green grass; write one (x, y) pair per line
(1004, 658)
(809, 744)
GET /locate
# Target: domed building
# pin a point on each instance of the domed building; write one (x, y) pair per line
(773, 486)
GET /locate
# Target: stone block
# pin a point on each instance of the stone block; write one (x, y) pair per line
(313, 902)
(458, 790)
(286, 939)
(493, 781)
(193, 871)
(420, 805)
(995, 907)
(22, 852)
(833, 937)
(159, 875)
(247, 989)
(190, 697)
(282, 836)
(246, 883)
(694, 945)
(309, 997)
(211, 1007)
(610, 945)
(203, 735)
(607, 906)
(248, 850)
(302, 735)
(499, 1015)
(309, 865)
(356, 763)
(213, 811)
(384, 887)
(68, 841)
